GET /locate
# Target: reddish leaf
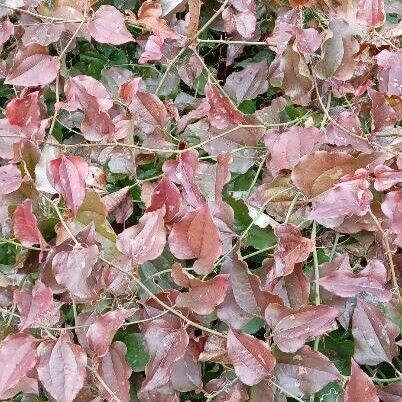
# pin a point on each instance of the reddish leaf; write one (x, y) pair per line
(6, 30)
(100, 333)
(338, 51)
(247, 83)
(10, 179)
(390, 72)
(350, 196)
(252, 358)
(345, 283)
(37, 308)
(145, 241)
(374, 335)
(385, 177)
(383, 115)
(292, 328)
(17, 357)
(166, 346)
(68, 174)
(33, 67)
(391, 393)
(61, 368)
(26, 228)
(72, 269)
(392, 208)
(319, 171)
(119, 204)
(214, 350)
(352, 133)
(115, 372)
(289, 146)
(304, 372)
(220, 111)
(360, 387)
(291, 248)
(166, 194)
(196, 236)
(246, 286)
(371, 13)
(203, 296)
(107, 26)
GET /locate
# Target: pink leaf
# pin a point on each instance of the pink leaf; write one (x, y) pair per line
(289, 146)
(392, 208)
(391, 393)
(6, 30)
(221, 113)
(119, 204)
(18, 358)
(374, 335)
(115, 372)
(292, 328)
(166, 194)
(33, 67)
(196, 236)
(203, 296)
(386, 177)
(252, 358)
(145, 241)
(37, 308)
(108, 26)
(304, 372)
(152, 50)
(390, 72)
(383, 115)
(347, 284)
(72, 269)
(61, 368)
(100, 333)
(360, 386)
(68, 174)
(10, 179)
(291, 248)
(26, 228)
(350, 196)
(371, 13)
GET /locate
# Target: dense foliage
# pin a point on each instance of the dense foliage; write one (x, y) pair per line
(200, 201)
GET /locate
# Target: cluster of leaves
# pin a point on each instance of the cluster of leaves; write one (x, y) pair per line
(200, 201)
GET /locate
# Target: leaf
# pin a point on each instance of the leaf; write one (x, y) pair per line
(305, 372)
(196, 236)
(72, 269)
(100, 333)
(33, 67)
(289, 146)
(37, 306)
(391, 393)
(350, 196)
(246, 286)
(115, 372)
(25, 226)
(61, 368)
(345, 283)
(119, 204)
(68, 174)
(166, 345)
(319, 171)
(371, 13)
(291, 248)
(389, 72)
(252, 358)
(374, 335)
(360, 386)
(166, 194)
(145, 241)
(385, 177)
(291, 328)
(391, 207)
(17, 354)
(203, 296)
(338, 50)
(247, 83)
(108, 26)
(10, 179)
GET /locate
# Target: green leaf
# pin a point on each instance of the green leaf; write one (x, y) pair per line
(253, 326)
(137, 355)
